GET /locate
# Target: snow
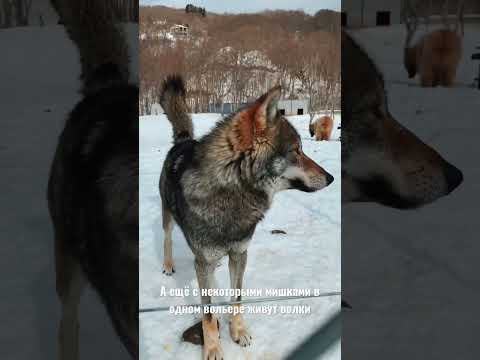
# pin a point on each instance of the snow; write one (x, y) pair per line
(308, 256)
(39, 87)
(408, 273)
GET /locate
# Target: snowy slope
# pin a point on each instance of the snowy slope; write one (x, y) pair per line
(308, 256)
(407, 273)
(39, 86)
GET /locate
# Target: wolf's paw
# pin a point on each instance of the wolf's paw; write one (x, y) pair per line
(168, 268)
(239, 332)
(212, 353)
(211, 340)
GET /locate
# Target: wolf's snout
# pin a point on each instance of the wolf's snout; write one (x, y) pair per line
(453, 176)
(329, 178)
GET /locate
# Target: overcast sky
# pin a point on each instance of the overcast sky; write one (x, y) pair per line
(236, 6)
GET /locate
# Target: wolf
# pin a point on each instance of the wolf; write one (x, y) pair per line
(93, 183)
(321, 128)
(382, 161)
(219, 187)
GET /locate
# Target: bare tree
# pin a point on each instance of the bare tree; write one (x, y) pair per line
(22, 11)
(14, 13)
(6, 14)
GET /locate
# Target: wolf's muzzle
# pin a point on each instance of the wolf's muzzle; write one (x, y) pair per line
(298, 184)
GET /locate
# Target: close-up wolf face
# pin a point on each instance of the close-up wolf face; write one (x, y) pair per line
(286, 166)
(382, 161)
(259, 146)
(290, 167)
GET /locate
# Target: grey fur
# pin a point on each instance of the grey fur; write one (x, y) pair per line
(172, 100)
(93, 184)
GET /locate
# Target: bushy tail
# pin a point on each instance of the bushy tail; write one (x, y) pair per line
(172, 99)
(102, 45)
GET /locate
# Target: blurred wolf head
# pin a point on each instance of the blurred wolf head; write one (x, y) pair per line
(382, 161)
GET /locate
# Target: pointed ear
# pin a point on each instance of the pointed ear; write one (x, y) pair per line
(267, 110)
(252, 122)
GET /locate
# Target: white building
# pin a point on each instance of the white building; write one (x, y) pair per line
(285, 107)
(179, 29)
(366, 13)
(293, 107)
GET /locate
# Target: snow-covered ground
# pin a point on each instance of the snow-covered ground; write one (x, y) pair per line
(308, 256)
(408, 274)
(39, 70)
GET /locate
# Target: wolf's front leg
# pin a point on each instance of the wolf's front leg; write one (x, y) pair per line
(211, 335)
(238, 330)
(211, 338)
(167, 241)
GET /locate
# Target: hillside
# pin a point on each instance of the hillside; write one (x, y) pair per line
(235, 57)
(287, 20)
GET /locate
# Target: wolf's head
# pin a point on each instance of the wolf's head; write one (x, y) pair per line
(382, 161)
(265, 150)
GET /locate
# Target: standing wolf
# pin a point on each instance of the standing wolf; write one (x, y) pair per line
(93, 185)
(218, 188)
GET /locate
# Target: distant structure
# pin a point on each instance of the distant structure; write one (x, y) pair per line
(179, 30)
(370, 13)
(191, 9)
(285, 107)
(224, 108)
(367, 13)
(293, 107)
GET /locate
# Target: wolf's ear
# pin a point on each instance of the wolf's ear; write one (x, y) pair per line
(252, 123)
(266, 113)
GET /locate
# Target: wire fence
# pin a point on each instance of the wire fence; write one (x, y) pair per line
(242, 302)
(327, 335)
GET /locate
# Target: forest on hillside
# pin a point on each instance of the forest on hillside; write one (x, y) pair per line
(234, 58)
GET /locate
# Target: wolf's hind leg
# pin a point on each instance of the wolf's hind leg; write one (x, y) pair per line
(70, 284)
(168, 268)
(238, 330)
